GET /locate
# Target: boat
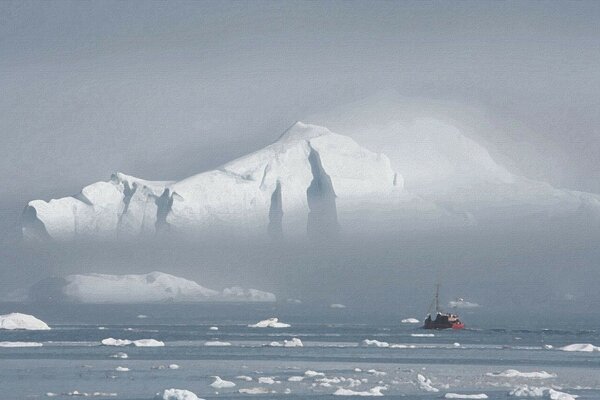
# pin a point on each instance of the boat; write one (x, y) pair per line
(442, 320)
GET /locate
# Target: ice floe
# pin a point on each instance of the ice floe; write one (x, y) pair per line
(374, 343)
(376, 391)
(20, 344)
(337, 305)
(122, 369)
(513, 373)
(586, 347)
(255, 390)
(295, 378)
(294, 342)
(244, 378)
(177, 394)
(465, 396)
(136, 343)
(217, 343)
(120, 355)
(410, 321)
(556, 395)
(312, 374)
(221, 384)
(270, 323)
(426, 384)
(214, 328)
(527, 391)
(267, 380)
(422, 335)
(22, 321)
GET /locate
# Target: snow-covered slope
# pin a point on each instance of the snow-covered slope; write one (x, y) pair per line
(315, 182)
(154, 287)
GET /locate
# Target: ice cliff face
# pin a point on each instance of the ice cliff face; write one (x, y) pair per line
(309, 181)
(313, 182)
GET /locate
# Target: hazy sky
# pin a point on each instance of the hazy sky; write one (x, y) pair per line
(162, 90)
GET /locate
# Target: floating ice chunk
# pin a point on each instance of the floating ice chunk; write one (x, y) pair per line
(548, 347)
(221, 384)
(177, 394)
(76, 393)
(376, 373)
(426, 384)
(357, 370)
(465, 396)
(587, 347)
(422, 335)
(122, 369)
(148, 343)
(120, 355)
(374, 343)
(267, 380)
(22, 321)
(410, 321)
(270, 323)
(20, 344)
(116, 342)
(456, 344)
(294, 342)
(337, 305)
(255, 390)
(214, 328)
(312, 374)
(376, 391)
(217, 343)
(295, 379)
(513, 373)
(142, 316)
(527, 391)
(174, 366)
(244, 378)
(556, 395)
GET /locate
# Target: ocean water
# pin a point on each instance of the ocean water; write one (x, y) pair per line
(72, 360)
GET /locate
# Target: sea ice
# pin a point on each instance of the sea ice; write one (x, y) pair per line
(337, 305)
(270, 323)
(527, 391)
(376, 391)
(294, 342)
(586, 347)
(312, 374)
(556, 395)
(22, 321)
(422, 335)
(122, 369)
(20, 344)
(374, 343)
(465, 396)
(214, 328)
(216, 343)
(136, 343)
(120, 355)
(177, 394)
(295, 379)
(255, 390)
(513, 373)
(221, 384)
(426, 384)
(410, 321)
(267, 380)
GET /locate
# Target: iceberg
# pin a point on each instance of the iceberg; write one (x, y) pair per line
(585, 347)
(269, 323)
(410, 321)
(221, 384)
(177, 394)
(376, 391)
(153, 287)
(20, 344)
(513, 373)
(426, 384)
(465, 396)
(22, 321)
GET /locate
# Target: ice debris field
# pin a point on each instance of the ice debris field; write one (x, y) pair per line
(219, 351)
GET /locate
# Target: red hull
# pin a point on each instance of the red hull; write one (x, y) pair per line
(458, 326)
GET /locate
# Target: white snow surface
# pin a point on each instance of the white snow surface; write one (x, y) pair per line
(22, 321)
(270, 323)
(177, 394)
(153, 287)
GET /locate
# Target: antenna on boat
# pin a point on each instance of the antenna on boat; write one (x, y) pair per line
(437, 298)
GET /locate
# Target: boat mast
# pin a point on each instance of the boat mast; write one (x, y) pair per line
(437, 298)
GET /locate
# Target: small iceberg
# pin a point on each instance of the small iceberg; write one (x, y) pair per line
(177, 394)
(136, 343)
(221, 384)
(426, 384)
(313, 374)
(216, 343)
(270, 323)
(556, 395)
(410, 321)
(120, 355)
(122, 369)
(585, 347)
(22, 321)
(20, 344)
(527, 391)
(374, 343)
(294, 342)
(337, 305)
(465, 396)
(267, 380)
(214, 328)
(376, 391)
(513, 373)
(255, 390)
